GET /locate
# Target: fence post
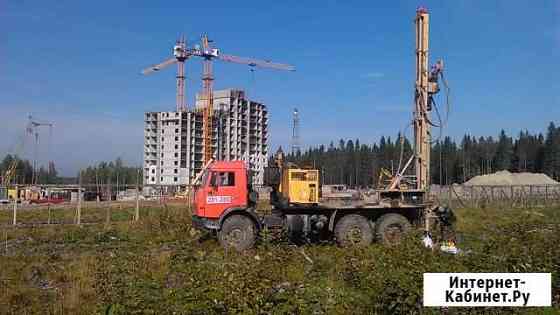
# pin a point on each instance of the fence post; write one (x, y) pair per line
(79, 208)
(108, 215)
(473, 198)
(49, 210)
(531, 199)
(137, 212)
(189, 200)
(15, 210)
(492, 200)
(512, 197)
(449, 196)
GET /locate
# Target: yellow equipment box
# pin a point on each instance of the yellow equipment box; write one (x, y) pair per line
(300, 186)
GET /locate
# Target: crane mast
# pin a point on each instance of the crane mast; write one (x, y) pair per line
(180, 53)
(208, 111)
(33, 130)
(208, 53)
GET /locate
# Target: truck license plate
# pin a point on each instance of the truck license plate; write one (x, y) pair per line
(218, 199)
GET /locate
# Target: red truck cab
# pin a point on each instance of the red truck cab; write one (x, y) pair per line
(224, 201)
(223, 186)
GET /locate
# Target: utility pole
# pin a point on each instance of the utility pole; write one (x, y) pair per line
(295, 132)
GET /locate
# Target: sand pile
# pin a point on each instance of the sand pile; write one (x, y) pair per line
(505, 178)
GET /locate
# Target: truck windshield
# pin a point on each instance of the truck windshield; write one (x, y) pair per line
(204, 178)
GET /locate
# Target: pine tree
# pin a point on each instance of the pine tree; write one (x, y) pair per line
(551, 158)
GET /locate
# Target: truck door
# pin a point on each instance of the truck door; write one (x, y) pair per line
(221, 194)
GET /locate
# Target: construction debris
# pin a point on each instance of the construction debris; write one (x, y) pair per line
(506, 178)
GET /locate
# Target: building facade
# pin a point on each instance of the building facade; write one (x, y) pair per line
(173, 141)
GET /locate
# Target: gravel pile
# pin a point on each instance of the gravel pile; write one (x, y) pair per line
(505, 178)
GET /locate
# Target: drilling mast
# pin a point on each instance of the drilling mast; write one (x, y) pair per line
(425, 86)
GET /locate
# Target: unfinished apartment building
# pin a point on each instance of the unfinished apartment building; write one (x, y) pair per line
(173, 143)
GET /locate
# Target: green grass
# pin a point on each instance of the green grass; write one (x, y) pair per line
(160, 265)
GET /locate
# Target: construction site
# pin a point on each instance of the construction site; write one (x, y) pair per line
(174, 144)
(218, 218)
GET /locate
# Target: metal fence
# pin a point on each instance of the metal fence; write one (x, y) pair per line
(519, 196)
(111, 203)
(90, 204)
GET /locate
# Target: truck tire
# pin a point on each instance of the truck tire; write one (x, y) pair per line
(295, 228)
(391, 227)
(353, 229)
(239, 232)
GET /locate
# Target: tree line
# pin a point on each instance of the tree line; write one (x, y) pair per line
(110, 173)
(359, 165)
(113, 172)
(26, 174)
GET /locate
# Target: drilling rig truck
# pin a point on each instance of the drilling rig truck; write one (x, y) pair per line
(225, 202)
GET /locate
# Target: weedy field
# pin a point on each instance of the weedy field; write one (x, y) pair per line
(160, 265)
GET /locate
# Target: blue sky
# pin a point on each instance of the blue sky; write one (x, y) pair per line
(77, 64)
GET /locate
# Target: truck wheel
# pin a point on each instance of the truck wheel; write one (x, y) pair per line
(353, 229)
(391, 227)
(238, 231)
(295, 226)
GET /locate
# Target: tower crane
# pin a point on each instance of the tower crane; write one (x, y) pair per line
(30, 129)
(180, 54)
(33, 130)
(208, 54)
